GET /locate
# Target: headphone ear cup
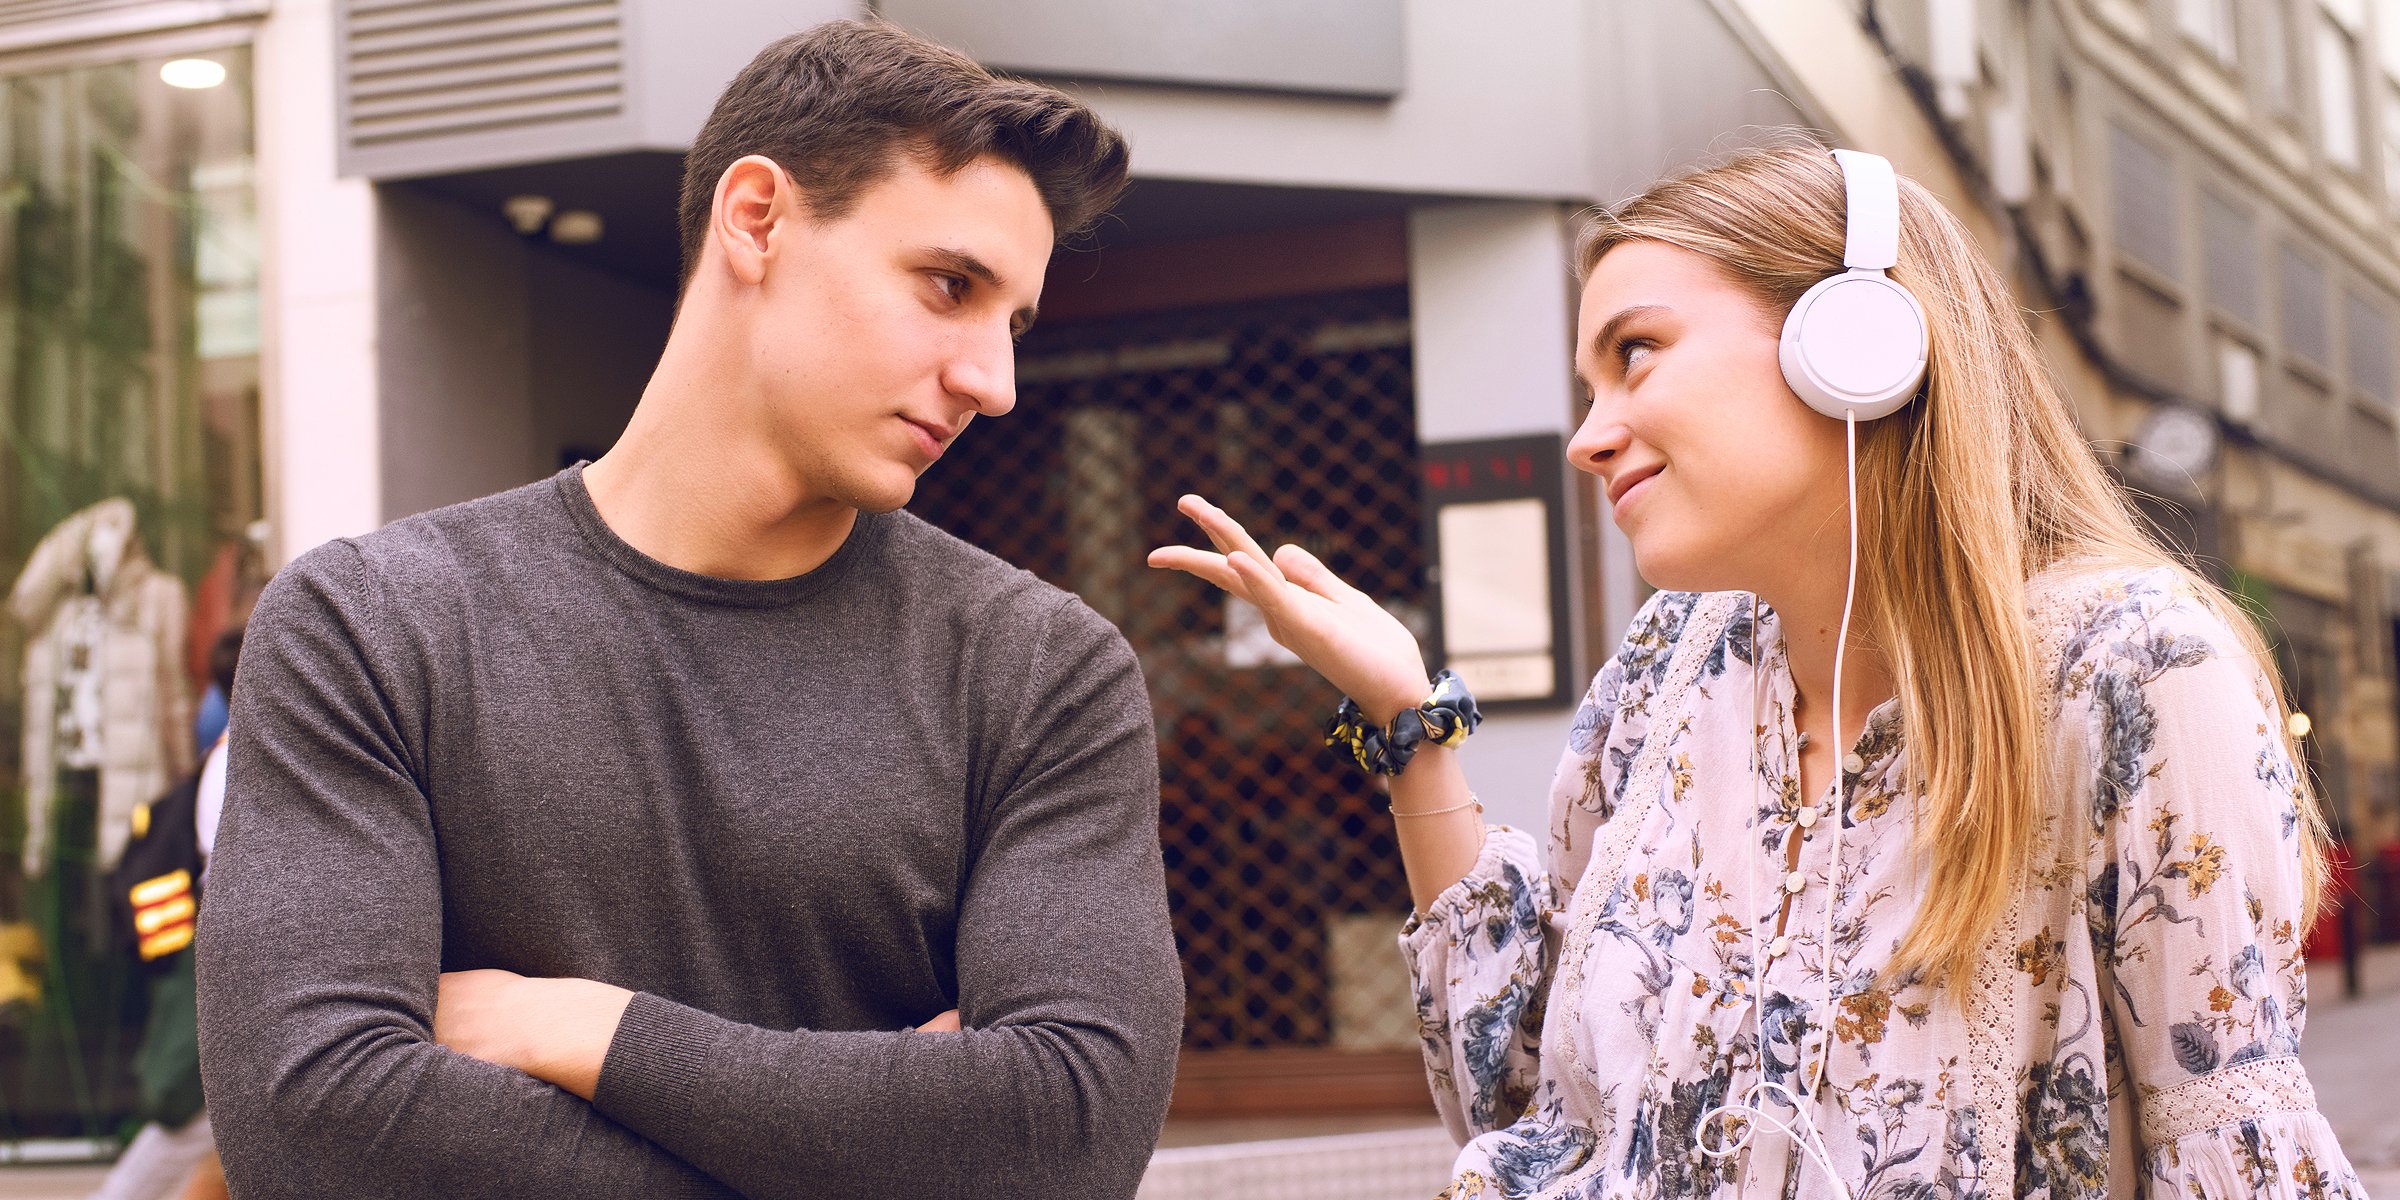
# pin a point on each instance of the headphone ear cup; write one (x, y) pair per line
(1855, 345)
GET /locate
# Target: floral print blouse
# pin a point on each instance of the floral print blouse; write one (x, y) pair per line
(2132, 1029)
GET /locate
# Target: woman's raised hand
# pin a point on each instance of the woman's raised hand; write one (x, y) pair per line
(1334, 628)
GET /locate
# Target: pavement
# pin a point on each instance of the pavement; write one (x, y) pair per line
(2352, 1050)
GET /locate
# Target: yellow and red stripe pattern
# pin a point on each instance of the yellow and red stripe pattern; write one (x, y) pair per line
(164, 913)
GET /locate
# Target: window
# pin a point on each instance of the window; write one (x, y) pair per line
(2337, 91)
(2391, 142)
(2387, 35)
(2229, 257)
(2274, 66)
(2387, 55)
(2142, 182)
(2210, 25)
(2370, 351)
(2237, 379)
(128, 437)
(2307, 331)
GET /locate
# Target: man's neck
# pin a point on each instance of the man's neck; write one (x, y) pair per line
(692, 486)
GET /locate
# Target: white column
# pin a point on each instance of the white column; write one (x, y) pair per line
(318, 402)
(1491, 315)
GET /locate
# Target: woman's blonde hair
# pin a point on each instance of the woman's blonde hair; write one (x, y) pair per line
(1963, 497)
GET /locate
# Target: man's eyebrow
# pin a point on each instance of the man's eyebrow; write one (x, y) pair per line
(967, 264)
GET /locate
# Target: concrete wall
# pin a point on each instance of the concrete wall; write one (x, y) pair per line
(594, 340)
(1490, 298)
(496, 355)
(318, 302)
(455, 368)
(1574, 99)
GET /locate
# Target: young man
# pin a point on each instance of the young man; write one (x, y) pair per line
(611, 836)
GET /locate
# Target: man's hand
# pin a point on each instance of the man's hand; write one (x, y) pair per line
(556, 1030)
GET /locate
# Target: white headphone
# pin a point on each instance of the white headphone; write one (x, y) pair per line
(1855, 344)
(1854, 349)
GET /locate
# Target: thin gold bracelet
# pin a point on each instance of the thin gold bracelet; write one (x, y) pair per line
(1472, 802)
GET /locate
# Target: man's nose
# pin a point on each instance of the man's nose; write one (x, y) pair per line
(985, 375)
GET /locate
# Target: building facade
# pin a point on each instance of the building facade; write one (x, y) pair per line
(2205, 196)
(1335, 300)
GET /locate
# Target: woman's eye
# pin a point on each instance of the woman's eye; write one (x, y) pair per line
(1632, 352)
(952, 286)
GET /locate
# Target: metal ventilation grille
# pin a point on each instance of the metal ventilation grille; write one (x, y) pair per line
(27, 23)
(1283, 879)
(420, 69)
(21, 12)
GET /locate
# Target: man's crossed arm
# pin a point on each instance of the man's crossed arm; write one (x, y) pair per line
(332, 1056)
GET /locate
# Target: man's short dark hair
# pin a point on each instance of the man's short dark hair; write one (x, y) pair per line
(835, 105)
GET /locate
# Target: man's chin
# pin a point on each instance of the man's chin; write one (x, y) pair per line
(883, 496)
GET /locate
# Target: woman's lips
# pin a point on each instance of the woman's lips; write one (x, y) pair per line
(1636, 488)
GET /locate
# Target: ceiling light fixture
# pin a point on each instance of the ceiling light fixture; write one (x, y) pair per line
(576, 227)
(528, 213)
(192, 73)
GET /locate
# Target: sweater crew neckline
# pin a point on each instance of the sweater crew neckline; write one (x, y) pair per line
(865, 533)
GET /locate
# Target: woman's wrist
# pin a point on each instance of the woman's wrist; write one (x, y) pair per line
(1390, 701)
(1384, 747)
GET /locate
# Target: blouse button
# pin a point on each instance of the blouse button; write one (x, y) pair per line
(1853, 764)
(1795, 882)
(1806, 816)
(1779, 947)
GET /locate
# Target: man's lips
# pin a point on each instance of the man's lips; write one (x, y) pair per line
(1623, 485)
(932, 439)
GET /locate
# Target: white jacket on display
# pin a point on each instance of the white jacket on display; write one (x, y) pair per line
(145, 710)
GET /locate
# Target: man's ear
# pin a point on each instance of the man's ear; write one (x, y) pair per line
(753, 197)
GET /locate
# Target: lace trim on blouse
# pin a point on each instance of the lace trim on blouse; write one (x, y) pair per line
(1700, 633)
(2260, 1088)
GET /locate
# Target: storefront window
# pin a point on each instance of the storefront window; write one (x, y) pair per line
(129, 501)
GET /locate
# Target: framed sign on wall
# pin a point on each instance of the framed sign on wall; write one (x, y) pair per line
(1495, 522)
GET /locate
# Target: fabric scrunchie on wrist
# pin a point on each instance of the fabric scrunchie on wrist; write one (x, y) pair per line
(1445, 718)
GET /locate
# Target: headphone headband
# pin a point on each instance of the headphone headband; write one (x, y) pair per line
(1855, 345)
(1874, 211)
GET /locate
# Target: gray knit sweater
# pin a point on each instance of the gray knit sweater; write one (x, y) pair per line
(794, 816)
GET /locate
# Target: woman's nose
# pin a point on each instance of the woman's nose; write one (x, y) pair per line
(1597, 441)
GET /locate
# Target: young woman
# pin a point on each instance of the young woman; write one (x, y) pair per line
(2014, 908)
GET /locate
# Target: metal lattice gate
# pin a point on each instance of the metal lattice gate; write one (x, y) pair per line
(1297, 416)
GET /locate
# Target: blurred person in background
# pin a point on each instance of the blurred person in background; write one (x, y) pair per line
(162, 879)
(696, 822)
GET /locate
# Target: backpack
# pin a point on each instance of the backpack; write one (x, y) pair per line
(154, 889)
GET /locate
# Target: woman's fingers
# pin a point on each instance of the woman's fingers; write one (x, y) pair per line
(1222, 529)
(1305, 569)
(1211, 568)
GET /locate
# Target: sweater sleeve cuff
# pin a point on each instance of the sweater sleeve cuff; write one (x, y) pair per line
(653, 1066)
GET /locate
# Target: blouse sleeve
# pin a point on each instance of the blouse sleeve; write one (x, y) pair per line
(1480, 968)
(1479, 955)
(2195, 891)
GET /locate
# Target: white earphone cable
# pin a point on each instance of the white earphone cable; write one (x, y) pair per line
(1746, 1106)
